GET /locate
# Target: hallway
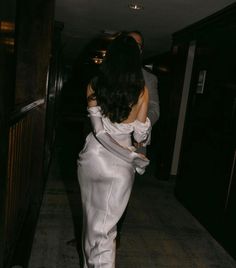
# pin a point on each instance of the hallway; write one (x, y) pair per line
(158, 231)
(45, 66)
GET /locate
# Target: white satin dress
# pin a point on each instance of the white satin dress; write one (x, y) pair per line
(106, 168)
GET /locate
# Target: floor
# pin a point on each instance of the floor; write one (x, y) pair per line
(157, 232)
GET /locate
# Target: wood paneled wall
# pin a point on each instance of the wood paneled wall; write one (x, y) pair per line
(27, 122)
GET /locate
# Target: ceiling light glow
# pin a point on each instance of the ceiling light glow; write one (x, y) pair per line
(136, 6)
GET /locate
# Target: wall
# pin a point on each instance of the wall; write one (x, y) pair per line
(206, 166)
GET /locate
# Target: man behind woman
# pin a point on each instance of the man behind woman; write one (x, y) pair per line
(117, 106)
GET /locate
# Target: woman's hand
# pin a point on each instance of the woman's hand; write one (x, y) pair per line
(143, 156)
(138, 145)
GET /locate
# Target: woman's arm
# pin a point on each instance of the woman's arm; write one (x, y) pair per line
(143, 104)
(142, 127)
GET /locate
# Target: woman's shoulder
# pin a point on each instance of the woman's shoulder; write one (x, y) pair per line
(91, 98)
(90, 89)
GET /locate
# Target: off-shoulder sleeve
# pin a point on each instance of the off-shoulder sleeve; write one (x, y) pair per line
(94, 111)
(142, 131)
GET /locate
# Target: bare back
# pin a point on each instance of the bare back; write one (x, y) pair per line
(138, 111)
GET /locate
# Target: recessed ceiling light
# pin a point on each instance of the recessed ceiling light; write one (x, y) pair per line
(136, 6)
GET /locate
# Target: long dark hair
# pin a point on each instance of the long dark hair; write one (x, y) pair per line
(120, 80)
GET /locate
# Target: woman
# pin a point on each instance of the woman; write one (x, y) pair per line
(117, 106)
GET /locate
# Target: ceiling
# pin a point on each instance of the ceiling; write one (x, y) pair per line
(85, 20)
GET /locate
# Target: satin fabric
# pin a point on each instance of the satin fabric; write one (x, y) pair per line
(106, 168)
